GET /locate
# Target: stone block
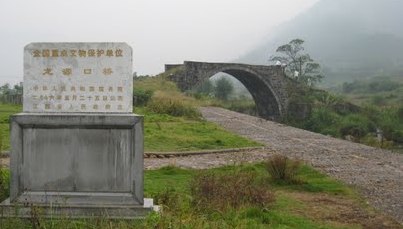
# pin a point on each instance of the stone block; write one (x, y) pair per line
(77, 161)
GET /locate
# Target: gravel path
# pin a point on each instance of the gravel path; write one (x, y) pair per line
(377, 173)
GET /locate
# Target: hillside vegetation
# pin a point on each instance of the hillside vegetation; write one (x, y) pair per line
(371, 124)
(378, 91)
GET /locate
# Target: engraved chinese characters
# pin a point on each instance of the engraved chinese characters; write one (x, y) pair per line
(78, 77)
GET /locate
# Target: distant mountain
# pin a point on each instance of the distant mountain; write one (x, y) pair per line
(350, 38)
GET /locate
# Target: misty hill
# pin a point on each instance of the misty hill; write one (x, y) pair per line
(350, 38)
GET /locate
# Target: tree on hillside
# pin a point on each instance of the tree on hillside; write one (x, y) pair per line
(206, 88)
(18, 89)
(299, 65)
(223, 88)
(5, 89)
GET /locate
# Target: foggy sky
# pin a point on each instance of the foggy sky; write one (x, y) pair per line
(160, 31)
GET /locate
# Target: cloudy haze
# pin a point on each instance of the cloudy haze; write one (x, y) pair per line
(159, 31)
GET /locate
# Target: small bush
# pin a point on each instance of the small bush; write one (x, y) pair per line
(282, 169)
(397, 136)
(323, 120)
(141, 97)
(356, 125)
(220, 191)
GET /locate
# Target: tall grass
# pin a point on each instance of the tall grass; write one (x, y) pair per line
(282, 169)
(174, 104)
(156, 83)
(4, 183)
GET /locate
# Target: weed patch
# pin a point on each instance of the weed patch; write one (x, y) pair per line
(4, 183)
(283, 170)
(221, 191)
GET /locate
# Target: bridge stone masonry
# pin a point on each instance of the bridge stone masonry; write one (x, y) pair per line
(268, 85)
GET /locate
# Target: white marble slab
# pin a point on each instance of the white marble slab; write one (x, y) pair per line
(78, 77)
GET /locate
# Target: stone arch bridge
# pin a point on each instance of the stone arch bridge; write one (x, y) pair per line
(268, 85)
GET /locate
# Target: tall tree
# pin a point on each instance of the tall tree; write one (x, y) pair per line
(206, 88)
(299, 65)
(5, 89)
(223, 88)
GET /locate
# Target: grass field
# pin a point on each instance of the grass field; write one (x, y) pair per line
(5, 111)
(316, 201)
(163, 133)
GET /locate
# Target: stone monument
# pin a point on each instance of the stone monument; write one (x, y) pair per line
(77, 148)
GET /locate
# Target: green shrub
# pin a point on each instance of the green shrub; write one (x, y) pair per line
(356, 125)
(396, 136)
(390, 121)
(372, 113)
(217, 191)
(282, 169)
(141, 97)
(323, 120)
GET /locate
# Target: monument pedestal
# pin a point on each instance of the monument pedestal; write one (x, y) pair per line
(118, 211)
(77, 165)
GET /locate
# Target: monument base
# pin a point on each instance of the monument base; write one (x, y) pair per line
(77, 211)
(76, 165)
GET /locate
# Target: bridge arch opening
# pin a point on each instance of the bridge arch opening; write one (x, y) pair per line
(266, 102)
(240, 99)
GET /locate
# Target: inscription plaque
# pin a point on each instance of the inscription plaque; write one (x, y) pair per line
(78, 77)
